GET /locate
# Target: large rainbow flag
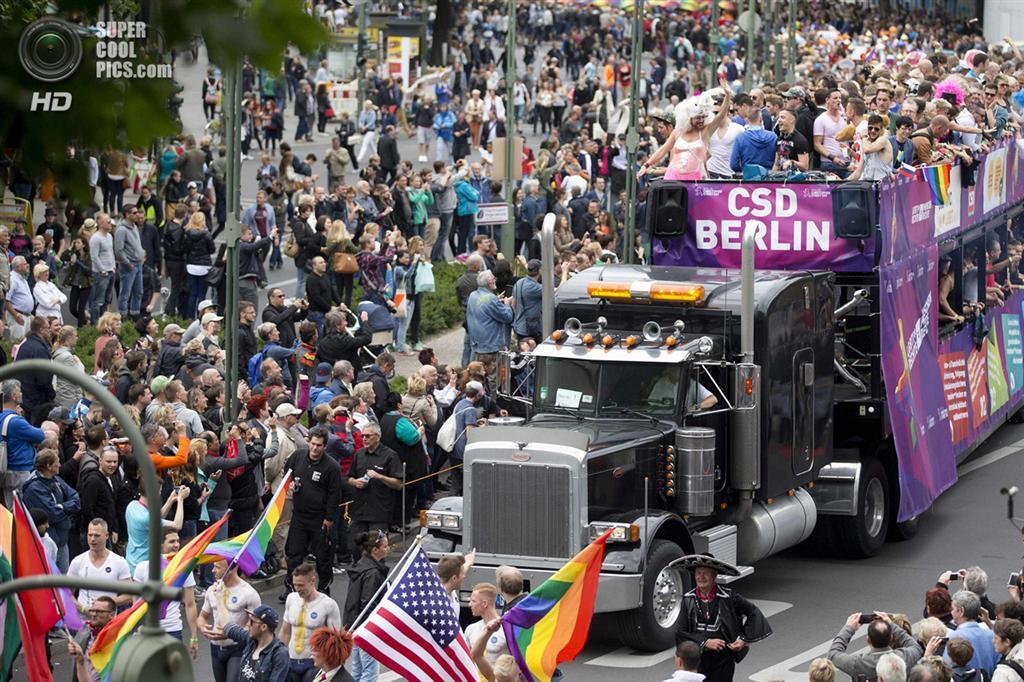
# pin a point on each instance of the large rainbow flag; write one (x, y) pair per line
(248, 550)
(550, 625)
(937, 178)
(106, 644)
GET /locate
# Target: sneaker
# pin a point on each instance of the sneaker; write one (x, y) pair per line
(418, 346)
(422, 159)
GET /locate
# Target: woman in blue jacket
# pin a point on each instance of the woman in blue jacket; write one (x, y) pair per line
(468, 198)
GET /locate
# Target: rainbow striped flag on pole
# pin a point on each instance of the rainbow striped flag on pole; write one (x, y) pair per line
(106, 644)
(248, 550)
(937, 178)
(550, 625)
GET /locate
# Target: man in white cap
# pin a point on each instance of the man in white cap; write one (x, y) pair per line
(287, 435)
(211, 327)
(195, 329)
(169, 358)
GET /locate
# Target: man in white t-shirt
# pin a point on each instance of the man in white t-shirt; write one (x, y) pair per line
(305, 610)
(826, 127)
(720, 146)
(227, 601)
(482, 605)
(171, 623)
(100, 562)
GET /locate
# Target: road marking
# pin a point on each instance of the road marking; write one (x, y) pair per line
(629, 658)
(991, 458)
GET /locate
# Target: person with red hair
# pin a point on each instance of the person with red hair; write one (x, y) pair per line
(330, 648)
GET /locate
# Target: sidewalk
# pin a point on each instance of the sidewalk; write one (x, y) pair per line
(447, 345)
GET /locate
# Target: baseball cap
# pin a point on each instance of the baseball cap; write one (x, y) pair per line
(668, 115)
(286, 410)
(193, 184)
(59, 414)
(158, 384)
(265, 615)
(795, 92)
(323, 373)
(173, 329)
(50, 211)
(211, 317)
(533, 265)
(206, 303)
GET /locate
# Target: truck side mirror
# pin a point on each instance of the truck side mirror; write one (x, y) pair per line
(666, 214)
(854, 209)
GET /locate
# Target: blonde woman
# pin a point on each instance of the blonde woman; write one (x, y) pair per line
(340, 241)
(64, 354)
(199, 248)
(417, 404)
(189, 476)
(109, 327)
(49, 298)
(474, 110)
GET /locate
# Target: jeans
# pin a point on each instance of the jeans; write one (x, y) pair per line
(197, 288)
(403, 326)
(364, 666)
(442, 150)
(101, 295)
(63, 558)
(276, 259)
(467, 350)
(841, 171)
(437, 253)
(226, 662)
(301, 669)
(300, 281)
(317, 317)
(129, 299)
(467, 230)
(302, 129)
(189, 528)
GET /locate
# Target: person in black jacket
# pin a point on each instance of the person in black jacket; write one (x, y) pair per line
(387, 150)
(403, 207)
(37, 387)
(364, 579)
(337, 344)
(169, 358)
(318, 292)
(284, 317)
(251, 254)
(199, 248)
(96, 486)
(316, 494)
(271, 664)
(133, 371)
(377, 374)
(174, 261)
(305, 237)
(246, 334)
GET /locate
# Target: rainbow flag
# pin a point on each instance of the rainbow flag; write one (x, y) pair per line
(106, 644)
(550, 625)
(248, 550)
(937, 178)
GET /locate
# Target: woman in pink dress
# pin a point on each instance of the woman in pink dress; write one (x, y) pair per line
(687, 145)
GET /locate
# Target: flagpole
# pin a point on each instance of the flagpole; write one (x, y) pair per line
(234, 561)
(402, 563)
(45, 560)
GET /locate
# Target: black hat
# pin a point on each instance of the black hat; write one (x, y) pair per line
(265, 615)
(693, 561)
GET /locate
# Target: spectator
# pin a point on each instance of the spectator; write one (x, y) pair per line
(264, 656)
(821, 670)
(891, 668)
(960, 653)
(99, 485)
(101, 251)
(48, 296)
(1007, 635)
(338, 344)
(377, 375)
(467, 418)
(966, 611)
(45, 490)
(364, 579)
(198, 247)
(883, 638)
(488, 321)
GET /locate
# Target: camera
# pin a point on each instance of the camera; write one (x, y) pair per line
(1014, 580)
(866, 618)
(954, 574)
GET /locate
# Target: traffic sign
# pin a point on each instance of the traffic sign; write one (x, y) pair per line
(492, 214)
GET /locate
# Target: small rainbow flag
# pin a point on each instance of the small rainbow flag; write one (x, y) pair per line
(550, 625)
(248, 550)
(937, 178)
(106, 644)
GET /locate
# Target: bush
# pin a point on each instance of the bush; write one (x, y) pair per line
(441, 309)
(87, 335)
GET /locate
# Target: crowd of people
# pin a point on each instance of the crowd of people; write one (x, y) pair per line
(316, 363)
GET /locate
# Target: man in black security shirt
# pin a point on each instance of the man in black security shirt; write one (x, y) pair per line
(316, 494)
(375, 475)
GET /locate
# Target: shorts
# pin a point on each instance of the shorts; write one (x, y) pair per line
(423, 135)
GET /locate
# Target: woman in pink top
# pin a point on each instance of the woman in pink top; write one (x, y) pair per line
(688, 142)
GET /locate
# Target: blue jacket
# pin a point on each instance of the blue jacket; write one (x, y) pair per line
(527, 294)
(273, 664)
(488, 321)
(753, 146)
(985, 655)
(249, 218)
(468, 198)
(36, 387)
(320, 395)
(22, 438)
(444, 123)
(533, 208)
(59, 500)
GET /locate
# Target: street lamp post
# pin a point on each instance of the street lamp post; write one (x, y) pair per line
(713, 46)
(232, 105)
(508, 230)
(632, 135)
(748, 78)
(361, 44)
(791, 31)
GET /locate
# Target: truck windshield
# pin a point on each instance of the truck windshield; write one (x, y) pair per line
(607, 388)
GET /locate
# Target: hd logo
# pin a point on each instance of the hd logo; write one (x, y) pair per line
(50, 101)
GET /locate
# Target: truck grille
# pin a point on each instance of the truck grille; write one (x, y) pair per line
(520, 510)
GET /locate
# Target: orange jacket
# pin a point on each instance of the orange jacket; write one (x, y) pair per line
(163, 462)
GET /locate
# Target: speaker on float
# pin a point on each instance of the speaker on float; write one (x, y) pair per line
(666, 209)
(854, 209)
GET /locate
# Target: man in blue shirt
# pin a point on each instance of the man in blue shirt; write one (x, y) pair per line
(488, 321)
(966, 611)
(526, 295)
(21, 438)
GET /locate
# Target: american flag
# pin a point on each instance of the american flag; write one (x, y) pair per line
(414, 630)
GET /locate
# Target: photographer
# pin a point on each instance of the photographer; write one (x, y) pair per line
(975, 580)
(883, 638)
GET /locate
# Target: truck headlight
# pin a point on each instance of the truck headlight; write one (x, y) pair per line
(441, 520)
(621, 532)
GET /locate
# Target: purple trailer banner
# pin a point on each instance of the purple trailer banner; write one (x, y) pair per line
(913, 381)
(792, 223)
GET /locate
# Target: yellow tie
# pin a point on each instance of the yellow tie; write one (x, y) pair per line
(300, 630)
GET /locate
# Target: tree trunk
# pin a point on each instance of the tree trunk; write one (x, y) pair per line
(442, 27)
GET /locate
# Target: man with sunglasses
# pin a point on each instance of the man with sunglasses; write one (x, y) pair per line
(99, 613)
(876, 159)
(264, 656)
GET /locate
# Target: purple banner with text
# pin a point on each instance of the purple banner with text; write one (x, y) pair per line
(792, 223)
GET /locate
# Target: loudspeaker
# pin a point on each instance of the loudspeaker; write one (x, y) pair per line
(666, 209)
(854, 209)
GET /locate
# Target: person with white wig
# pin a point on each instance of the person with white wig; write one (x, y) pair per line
(688, 142)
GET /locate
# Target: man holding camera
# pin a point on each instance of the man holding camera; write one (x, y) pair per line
(883, 637)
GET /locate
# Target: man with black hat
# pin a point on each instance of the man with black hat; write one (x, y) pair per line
(55, 228)
(264, 656)
(720, 621)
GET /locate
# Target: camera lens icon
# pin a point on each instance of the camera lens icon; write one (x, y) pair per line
(50, 49)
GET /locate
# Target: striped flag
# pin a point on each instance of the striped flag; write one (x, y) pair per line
(414, 630)
(248, 550)
(907, 171)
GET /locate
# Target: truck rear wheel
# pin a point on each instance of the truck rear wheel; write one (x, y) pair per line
(652, 626)
(863, 535)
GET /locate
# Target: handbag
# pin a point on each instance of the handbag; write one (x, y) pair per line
(329, 113)
(344, 263)
(423, 282)
(215, 276)
(446, 436)
(401, 304)
(291, 247)
(354, 139)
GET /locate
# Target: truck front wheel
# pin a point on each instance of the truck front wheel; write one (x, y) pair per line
(652, 626)
(863, 535)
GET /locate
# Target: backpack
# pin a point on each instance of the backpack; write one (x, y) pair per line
(446, 436)
(3, 443)
(173, 241)
(253, 366)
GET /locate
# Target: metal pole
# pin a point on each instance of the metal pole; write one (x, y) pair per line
(232, 108)
(361, 45)
(713, 56)
(632, 135)
(508, 230)
(748, 77)
(791, 31)
(547, 282)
